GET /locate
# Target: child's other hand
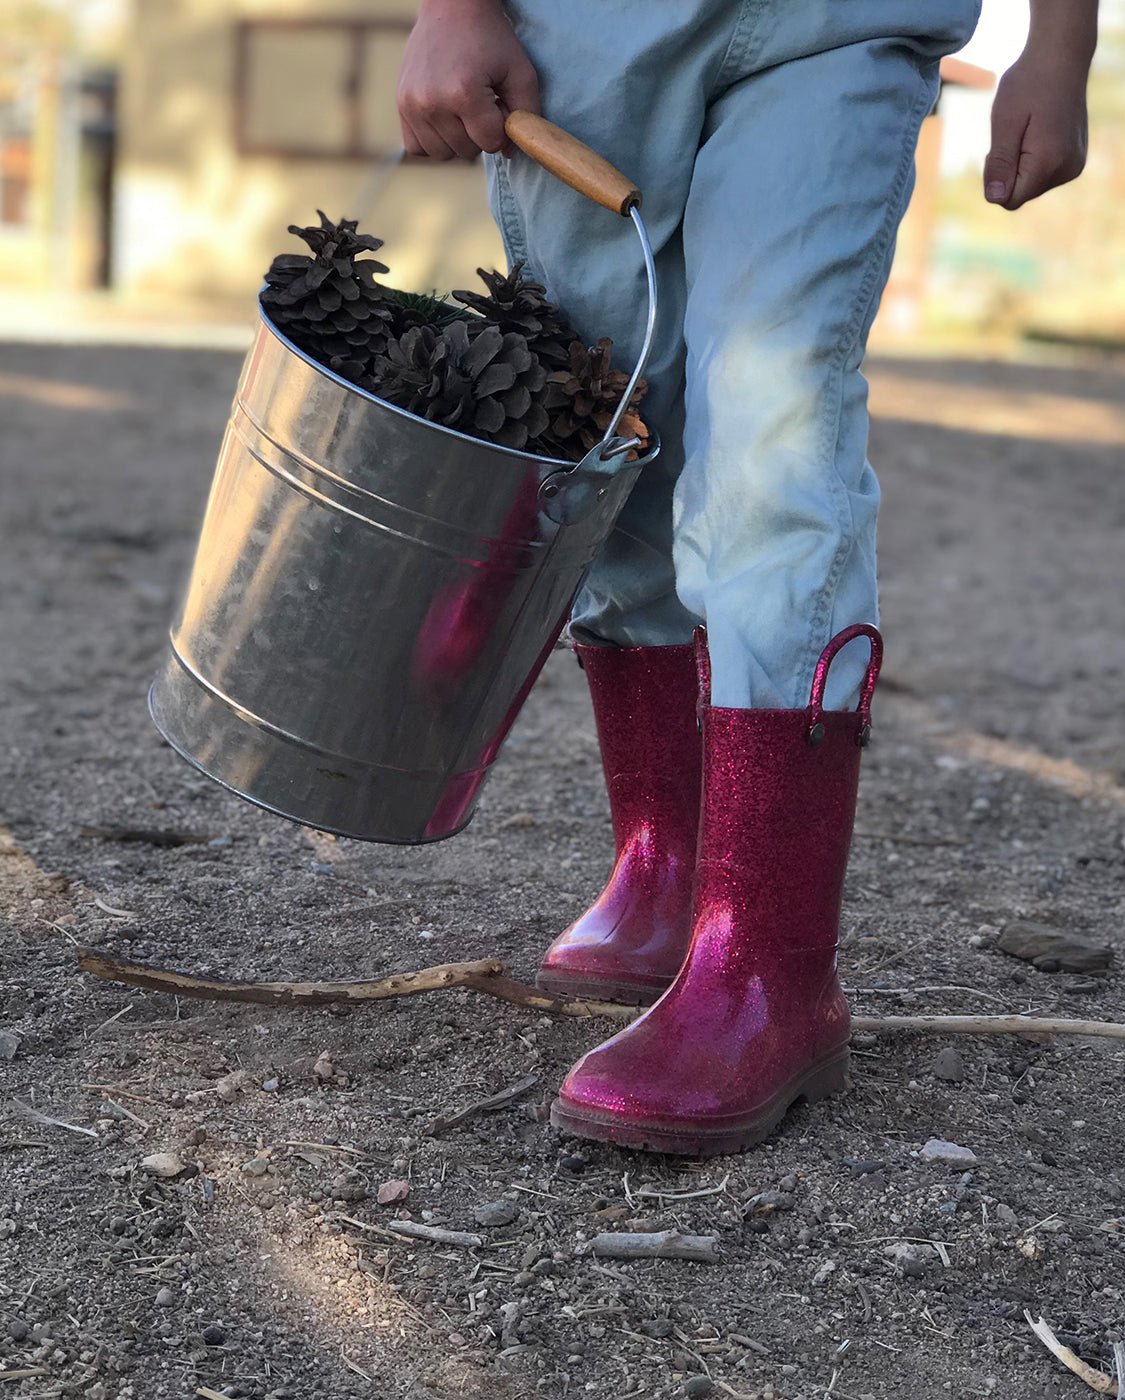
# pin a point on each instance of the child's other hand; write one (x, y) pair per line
(1038, 132)
(463, 63)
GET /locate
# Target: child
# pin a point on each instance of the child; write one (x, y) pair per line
(774, 143)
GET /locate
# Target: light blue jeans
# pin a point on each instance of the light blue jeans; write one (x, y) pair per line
(774, 143)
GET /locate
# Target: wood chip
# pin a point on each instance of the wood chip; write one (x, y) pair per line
(1096, 1380)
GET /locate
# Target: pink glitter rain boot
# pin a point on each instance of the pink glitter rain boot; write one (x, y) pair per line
(629, 946)
(756, 1018)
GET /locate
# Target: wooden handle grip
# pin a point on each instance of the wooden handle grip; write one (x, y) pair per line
(573, 163)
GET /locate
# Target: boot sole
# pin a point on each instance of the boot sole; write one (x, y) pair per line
(828, 1077)
(592, 989)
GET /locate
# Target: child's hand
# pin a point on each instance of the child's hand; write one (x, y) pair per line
(1038, 134)
(1039, 115)
(462, 62)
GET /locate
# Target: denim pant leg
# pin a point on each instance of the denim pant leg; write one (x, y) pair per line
(631, 80)
(782, 135)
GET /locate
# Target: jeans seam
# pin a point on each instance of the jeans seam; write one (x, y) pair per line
(740, 40)
(511, 228)
(830, 434)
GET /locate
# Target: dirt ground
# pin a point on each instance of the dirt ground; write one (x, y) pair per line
(994, 792)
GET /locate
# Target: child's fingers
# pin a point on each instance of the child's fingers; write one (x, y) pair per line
(484, 121)
(1002, 164)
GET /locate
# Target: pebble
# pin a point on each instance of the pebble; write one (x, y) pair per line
(496, 1213)
(9, 1045)
(938, 1150)
(256, 1166)
(698, 1386)
(165, 1298)
(269, 1086)
(163, 1164)
(391, 1192)
(573, 1162)
(948, 1066)
(213, 1335)
(1007, 1216)
(864, 1166)
(1053, 950)
(18, 1330)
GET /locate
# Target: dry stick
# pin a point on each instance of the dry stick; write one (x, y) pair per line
(488, 976)
(26, 1374)
(415, 1231)
(1096, 1380)
(660, 1244)
(501, 1099)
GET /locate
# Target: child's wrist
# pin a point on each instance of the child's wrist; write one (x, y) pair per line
(1063, 34)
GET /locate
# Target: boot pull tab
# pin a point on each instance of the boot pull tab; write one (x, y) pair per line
(815, 731)
(703, 671)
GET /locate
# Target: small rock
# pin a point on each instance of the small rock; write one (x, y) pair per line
(18, 1330)
(391, 1192)
(1007, 1216)
(1030, 1247)
(163, 1164)
(787, 1183)
(213, 1335)
(1082, 986)
(9, 1045)
(1052, 950)
(231, 1085)
(938, 1150)
(496, 1213)
(696, 1387)
(324, 1069)
(518, 821)
(269, 1086)
(656, 1327)
(256, 1166)
(824, 1273)
(864, 1166)
(949, 1066)
(573, 1162)
(165, 1298)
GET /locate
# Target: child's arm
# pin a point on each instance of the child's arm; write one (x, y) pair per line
(1039, 115)
(462, 58)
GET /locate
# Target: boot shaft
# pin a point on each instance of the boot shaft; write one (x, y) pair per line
(644, 701)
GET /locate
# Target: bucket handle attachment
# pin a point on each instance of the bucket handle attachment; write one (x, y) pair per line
(590, 174)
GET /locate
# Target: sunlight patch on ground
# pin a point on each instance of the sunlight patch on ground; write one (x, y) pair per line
(1063, 773)
(995, 410)
(57, 393)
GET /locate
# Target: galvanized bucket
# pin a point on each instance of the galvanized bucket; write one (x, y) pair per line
(373, 595)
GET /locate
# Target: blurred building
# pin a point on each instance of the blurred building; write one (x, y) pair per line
(172, 176)
(239, 117)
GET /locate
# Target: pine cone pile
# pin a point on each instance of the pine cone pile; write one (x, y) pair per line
(504, 365)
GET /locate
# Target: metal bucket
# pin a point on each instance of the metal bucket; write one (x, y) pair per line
(373, 597)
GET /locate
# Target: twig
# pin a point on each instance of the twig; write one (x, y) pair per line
(908, 991)
(415, 1231)
(488, 1105)
(111, 911)
(206, 1393)
(1096, 1380)
(489, 976)
(26, 1374)
(53, 1122)
(991, 1025)
(660, 1244)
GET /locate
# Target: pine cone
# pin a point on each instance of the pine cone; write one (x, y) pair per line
(516, 305)
(581, 400)
(330, 305)
(486, 384)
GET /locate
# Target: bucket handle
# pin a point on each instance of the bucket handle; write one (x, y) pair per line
(576, 165)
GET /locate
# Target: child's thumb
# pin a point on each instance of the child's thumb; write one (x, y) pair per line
(1003, 161)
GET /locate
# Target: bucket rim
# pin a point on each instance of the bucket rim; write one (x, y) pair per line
(567, 463)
